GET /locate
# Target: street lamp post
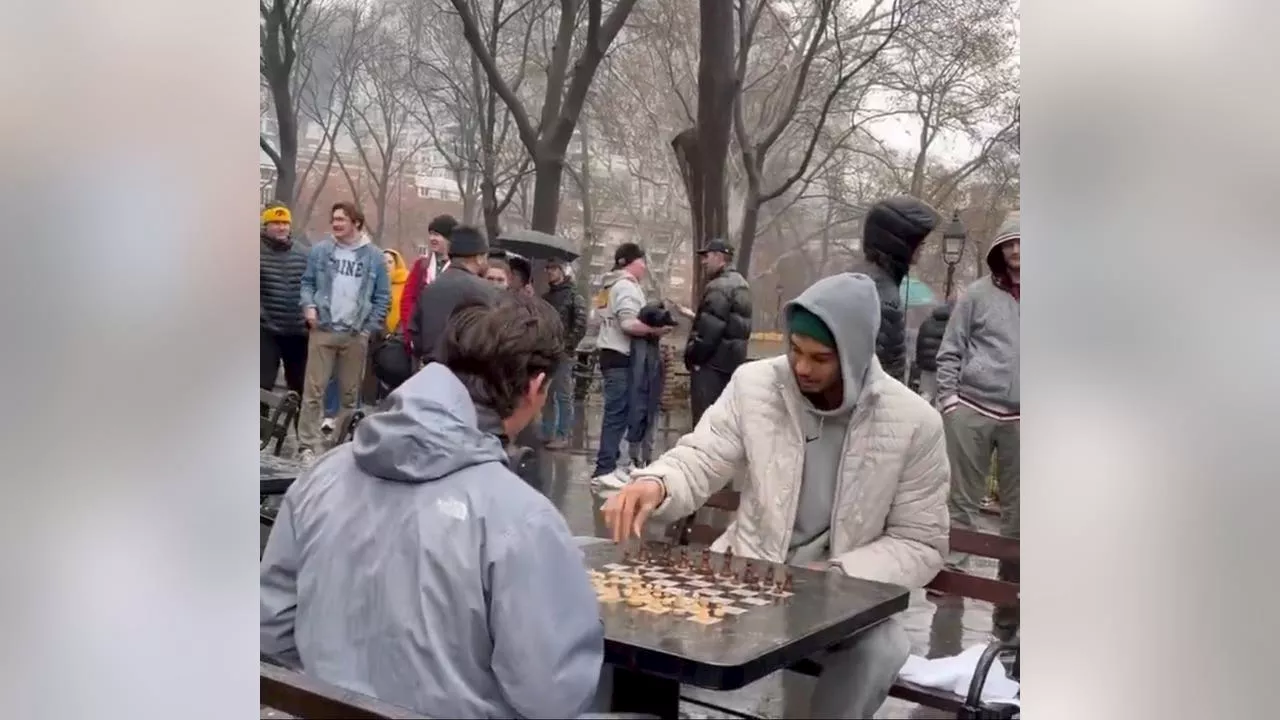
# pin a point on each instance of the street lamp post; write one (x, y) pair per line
(953, 239)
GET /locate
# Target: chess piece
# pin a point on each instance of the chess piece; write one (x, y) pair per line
(786, 584)
(749, 575)
(626, 554)
(705, 567)
(727, 568)
(643, 555)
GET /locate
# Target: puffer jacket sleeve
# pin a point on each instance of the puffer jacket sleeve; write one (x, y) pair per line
(709, 324)
(891, 344)
(703, 461)
(929, 339)
(915, 539)
(577, 329)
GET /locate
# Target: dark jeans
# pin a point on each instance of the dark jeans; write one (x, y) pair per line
(614, 384)
(557, 414)
(275, 349)
(705, 385)
(331, 403)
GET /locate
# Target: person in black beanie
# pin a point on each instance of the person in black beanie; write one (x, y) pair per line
(461, 282)
(892, 234)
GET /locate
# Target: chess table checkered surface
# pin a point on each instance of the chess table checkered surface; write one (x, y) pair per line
(706, 597)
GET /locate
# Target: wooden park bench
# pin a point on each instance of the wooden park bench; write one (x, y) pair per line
(693, 530)
(299, 696)
(345, 428)
(282, 414)
(307, 698)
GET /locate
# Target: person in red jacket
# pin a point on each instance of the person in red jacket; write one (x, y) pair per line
(428, 267)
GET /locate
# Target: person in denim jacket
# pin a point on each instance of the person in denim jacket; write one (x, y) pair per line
(345, 297)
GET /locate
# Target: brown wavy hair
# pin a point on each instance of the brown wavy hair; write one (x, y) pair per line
(497, 349)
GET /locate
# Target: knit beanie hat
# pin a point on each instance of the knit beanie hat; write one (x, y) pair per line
(802, 322)
(276, 213)
(465, 241)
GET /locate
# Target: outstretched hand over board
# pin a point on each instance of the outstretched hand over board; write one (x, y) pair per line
(627, 511)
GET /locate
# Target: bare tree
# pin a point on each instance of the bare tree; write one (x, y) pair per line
(379, 125)
(703, 149)
(956, 74)
(469, 128)
(281, 34)
(324, 100)
(564, 95)
(817, 67)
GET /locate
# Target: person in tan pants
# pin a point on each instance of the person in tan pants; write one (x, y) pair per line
(345, 297)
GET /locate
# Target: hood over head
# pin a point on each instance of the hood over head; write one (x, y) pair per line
(1010, 229)
(431, 430)
(400, 271)
(894, 228)
(850, 307)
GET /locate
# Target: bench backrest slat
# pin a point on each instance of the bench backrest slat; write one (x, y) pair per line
(984, 544)
(997, 592)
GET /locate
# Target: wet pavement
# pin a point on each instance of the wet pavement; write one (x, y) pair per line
(936, 630)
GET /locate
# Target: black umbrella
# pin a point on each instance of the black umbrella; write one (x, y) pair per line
(537, 245)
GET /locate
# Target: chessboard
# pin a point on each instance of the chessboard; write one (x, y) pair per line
(667, 580)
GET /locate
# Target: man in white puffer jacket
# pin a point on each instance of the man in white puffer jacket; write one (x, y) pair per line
(846, 470)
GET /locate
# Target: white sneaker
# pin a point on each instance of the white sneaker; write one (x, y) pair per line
(327, 425)
(604, 486)
(306, 456)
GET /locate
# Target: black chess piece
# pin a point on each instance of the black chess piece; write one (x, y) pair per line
(749, 575)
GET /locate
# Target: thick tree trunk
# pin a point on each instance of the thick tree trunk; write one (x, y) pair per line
(287, 130)
(548, 173)
(489, 208)
(702, 151)
(750, 225)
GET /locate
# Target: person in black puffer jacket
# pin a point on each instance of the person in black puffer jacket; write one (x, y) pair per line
(928, 340)
(892, 234)
(283, 332)
(721, 328)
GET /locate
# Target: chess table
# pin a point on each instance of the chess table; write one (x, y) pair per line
(653, 654)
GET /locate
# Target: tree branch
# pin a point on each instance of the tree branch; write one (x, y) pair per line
(471, 31)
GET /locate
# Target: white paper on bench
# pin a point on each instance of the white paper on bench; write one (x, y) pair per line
(953, 674)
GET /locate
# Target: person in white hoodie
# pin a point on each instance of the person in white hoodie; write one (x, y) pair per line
(846, 471)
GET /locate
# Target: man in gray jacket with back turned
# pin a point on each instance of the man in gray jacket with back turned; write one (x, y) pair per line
(978, 395)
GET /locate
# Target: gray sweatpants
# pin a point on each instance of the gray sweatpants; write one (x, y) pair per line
(971, 438)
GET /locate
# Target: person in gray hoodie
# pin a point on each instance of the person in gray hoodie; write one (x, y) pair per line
(978, 374)
(413, 566)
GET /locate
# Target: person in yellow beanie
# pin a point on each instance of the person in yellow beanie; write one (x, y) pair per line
(398, 272)
(283, 332)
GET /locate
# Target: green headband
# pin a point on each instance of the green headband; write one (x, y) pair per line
(802, 322)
